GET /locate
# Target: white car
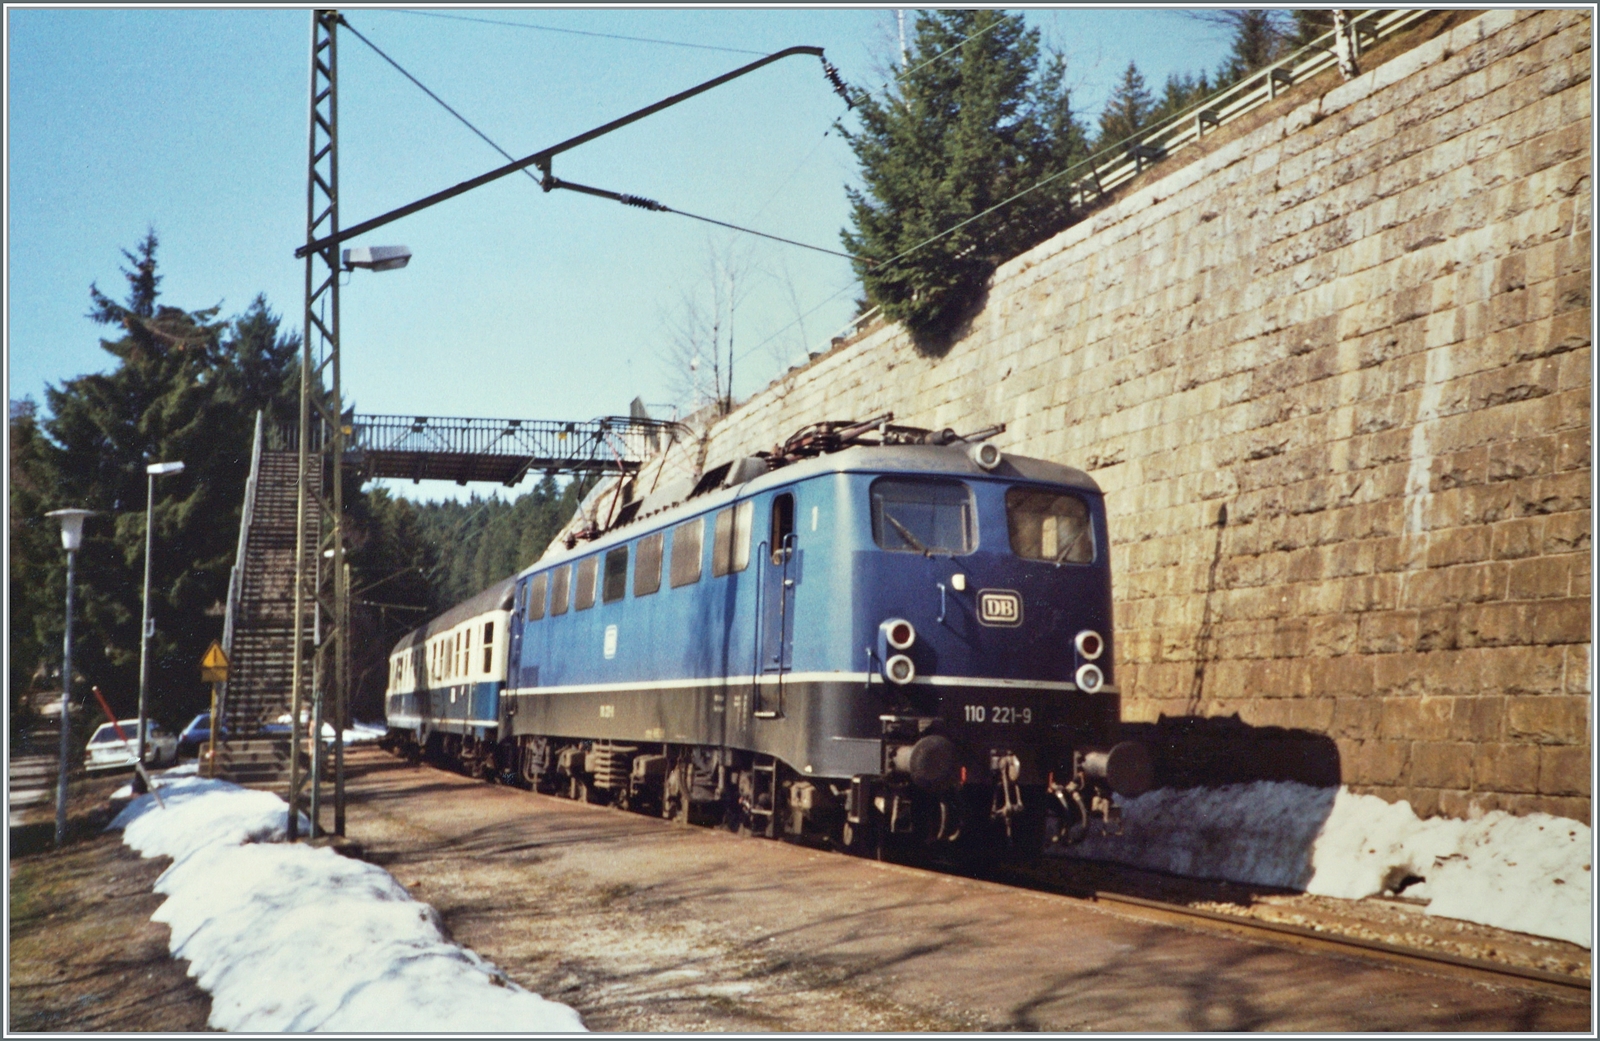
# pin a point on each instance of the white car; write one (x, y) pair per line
(107, 751)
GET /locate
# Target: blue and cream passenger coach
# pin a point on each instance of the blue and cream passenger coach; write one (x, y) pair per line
(873, 634)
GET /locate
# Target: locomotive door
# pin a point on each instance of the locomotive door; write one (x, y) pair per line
(779, 562)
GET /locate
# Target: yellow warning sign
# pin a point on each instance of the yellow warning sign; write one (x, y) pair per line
(214, 666)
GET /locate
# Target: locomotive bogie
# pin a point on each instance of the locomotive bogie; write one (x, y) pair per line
(882, 645)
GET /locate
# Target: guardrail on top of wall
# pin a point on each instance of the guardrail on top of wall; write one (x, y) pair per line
(1092, 178)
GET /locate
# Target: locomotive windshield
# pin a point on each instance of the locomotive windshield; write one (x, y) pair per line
(1049, 526)
(922, 516)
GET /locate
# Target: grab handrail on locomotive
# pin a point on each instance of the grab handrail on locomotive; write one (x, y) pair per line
(886, 638)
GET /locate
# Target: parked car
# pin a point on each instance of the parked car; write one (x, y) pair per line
(196, 734)
(107, 751)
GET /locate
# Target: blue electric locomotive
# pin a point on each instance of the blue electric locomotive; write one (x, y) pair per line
(873, 635)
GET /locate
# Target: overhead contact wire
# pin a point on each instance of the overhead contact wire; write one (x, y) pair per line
(583, 32)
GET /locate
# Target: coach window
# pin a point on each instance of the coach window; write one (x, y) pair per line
(647, 565)
(730, 548)
(923, 516)
(616, 582)
(488, 646)
(782, 526)
(1049, 526)
(588, 571)
(688, 540)
(559, 588)
(466, 652)
(536, 592)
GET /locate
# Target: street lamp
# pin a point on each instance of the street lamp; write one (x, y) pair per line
(71, 539)
(153, 471)
(376, 258)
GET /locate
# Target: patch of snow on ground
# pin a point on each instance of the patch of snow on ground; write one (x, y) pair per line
(293, 938)
(362, 733)
(1530, 874)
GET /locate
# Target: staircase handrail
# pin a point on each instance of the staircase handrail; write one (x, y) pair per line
(236, 576)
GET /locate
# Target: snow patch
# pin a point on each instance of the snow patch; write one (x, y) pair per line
(1530, 874)
(293, 938)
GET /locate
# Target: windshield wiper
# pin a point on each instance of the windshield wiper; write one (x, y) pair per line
(905, 533)
(1071, 546)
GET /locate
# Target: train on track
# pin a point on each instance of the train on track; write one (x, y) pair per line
(875, 636)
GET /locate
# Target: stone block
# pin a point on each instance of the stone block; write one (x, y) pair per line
(1548, 719)
(1540, 578)
(1564, 770)
(1440, 765)
(1375, 762)
(1388, 632)
(1505, 768)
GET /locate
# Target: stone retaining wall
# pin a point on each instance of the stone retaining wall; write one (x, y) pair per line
(1335, 380)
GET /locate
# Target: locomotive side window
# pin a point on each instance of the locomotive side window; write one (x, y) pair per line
(1049, 526)
(558, 590)
(616, 580)
(536, 592)
(923, 516)
(647, 565)
(782, 526)
(730, 547)
(688, 539)
(588, 571)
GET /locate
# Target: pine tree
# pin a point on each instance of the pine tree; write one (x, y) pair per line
(1128, 111)
(970, 123)
(1260, 37)
(185, 386)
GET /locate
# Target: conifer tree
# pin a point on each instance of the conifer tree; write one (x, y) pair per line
(184, 386)
(970, 121)
(1128, 111)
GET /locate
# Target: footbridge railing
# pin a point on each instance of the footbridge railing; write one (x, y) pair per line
(439, 448)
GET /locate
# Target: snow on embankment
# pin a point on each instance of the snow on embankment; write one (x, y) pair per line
(292, 938)
(1531, 874)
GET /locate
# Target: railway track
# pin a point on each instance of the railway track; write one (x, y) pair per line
(1475, 969)
(1553, 984)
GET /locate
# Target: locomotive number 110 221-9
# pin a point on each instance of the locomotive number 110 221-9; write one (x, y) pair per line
(997, 714)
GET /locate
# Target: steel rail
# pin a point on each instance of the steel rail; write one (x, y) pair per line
(1566, 985)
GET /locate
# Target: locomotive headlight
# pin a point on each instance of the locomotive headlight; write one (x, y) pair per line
(898, 633)
(899, 669)
(1089, 644)
(1090, 678)
(985, 455)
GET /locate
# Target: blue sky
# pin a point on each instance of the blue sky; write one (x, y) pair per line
(517, 303)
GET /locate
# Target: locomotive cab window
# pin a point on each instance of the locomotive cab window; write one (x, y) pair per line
(687, 540)
(559, 588)
(616, 578)
(730, 549)
(923, 516)
(782, 527)
(1049, 526)
(647, 565)
(536, 592)
(588, 571)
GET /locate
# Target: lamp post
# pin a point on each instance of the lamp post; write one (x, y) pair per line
(153, 471)
(71, 539)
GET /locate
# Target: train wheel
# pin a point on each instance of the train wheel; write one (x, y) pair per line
(675, 793)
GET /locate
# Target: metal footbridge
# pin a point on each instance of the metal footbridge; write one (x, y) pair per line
(502, 451)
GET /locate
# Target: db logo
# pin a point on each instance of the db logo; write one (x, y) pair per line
(999, 607)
